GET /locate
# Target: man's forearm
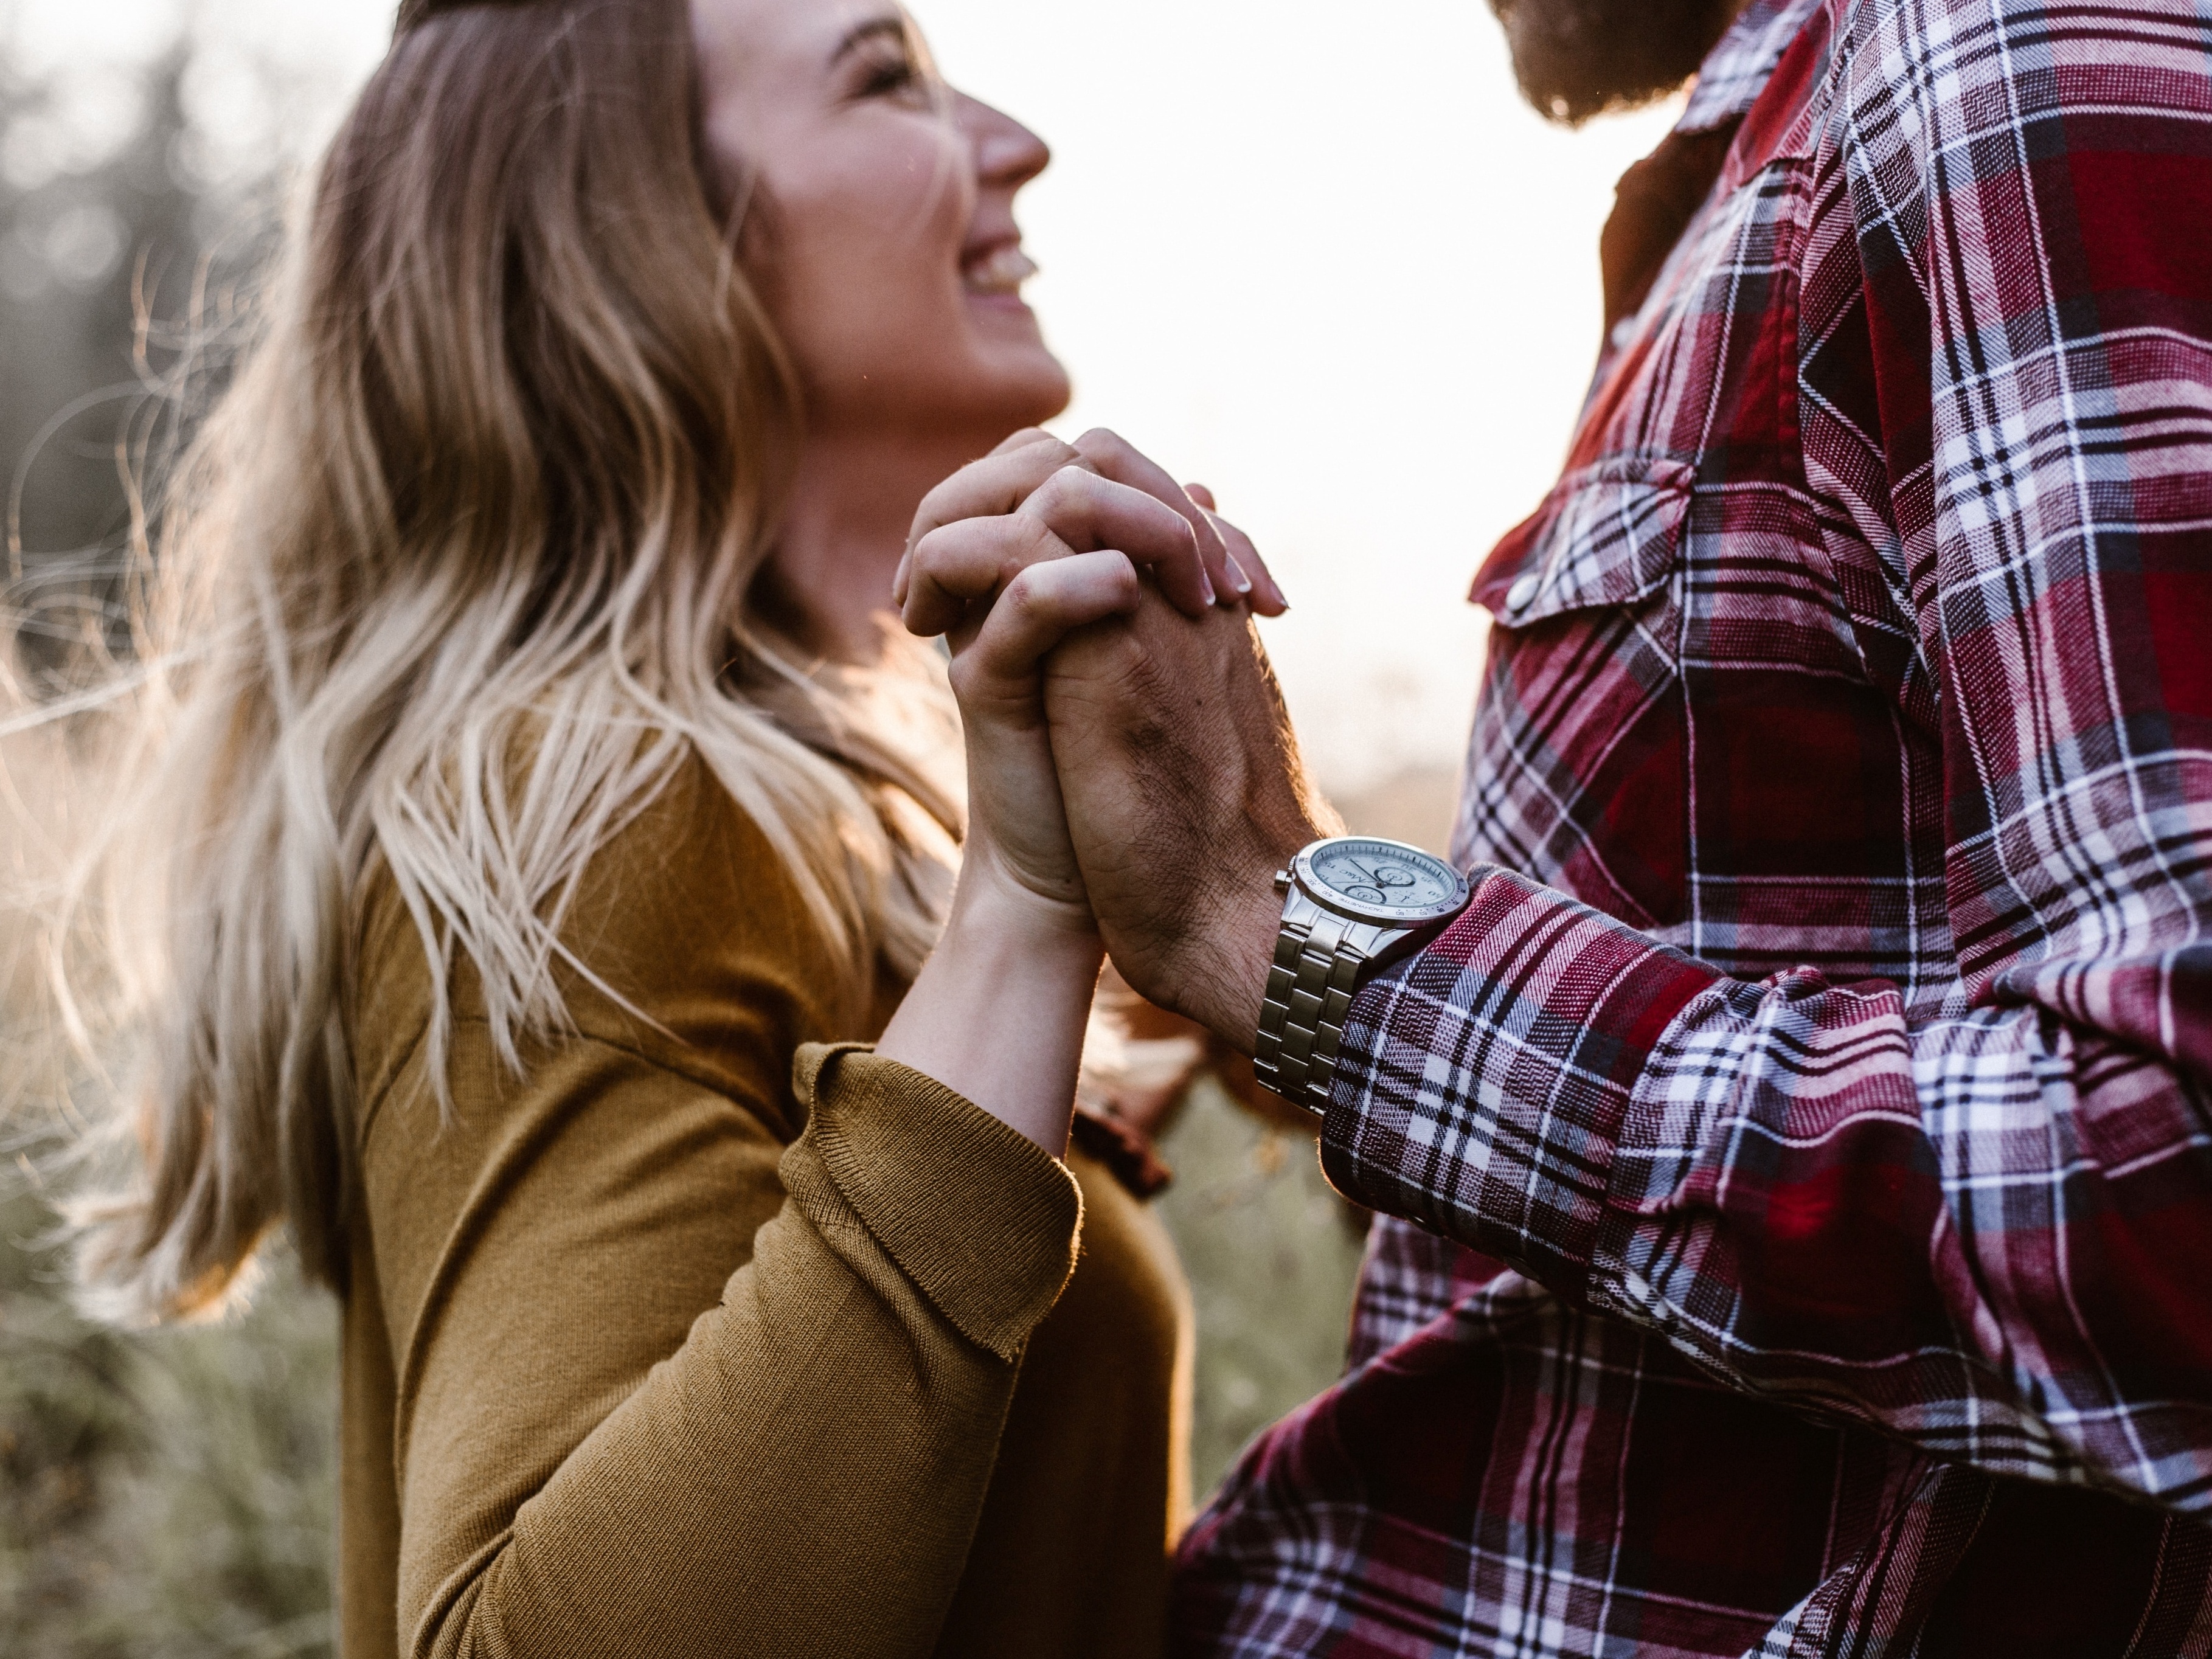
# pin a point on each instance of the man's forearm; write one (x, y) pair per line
(1948, 1230)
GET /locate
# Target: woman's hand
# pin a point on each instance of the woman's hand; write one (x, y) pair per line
(996, 516)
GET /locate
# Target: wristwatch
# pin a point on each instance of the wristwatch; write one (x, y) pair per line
(1349, 903)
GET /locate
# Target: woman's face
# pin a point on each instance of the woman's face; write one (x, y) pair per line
(884, 205)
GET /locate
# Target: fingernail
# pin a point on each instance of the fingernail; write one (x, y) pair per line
(1206, 582)
(1237, 579)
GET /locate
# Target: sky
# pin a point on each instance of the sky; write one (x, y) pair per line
(1320, 257)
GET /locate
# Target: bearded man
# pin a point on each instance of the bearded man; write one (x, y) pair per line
(1795, 1149)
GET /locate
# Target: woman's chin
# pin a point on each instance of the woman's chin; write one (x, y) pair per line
(1026, 380)
(1000, 322)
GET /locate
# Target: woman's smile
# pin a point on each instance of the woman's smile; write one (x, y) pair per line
(993, 273)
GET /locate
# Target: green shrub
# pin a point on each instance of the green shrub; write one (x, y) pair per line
(165, 1494)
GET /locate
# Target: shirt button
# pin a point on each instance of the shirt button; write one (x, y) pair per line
(1522, 591)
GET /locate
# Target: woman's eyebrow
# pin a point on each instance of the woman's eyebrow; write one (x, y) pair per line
(890, 22)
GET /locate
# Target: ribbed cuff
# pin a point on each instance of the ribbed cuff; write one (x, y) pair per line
(1483, 1081)
(982, 1219)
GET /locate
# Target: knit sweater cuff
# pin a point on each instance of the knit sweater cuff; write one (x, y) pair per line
(983, 1220)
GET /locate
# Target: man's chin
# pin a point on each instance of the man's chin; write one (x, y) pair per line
(1576, 58)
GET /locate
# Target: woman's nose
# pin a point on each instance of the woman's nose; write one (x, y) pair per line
(1007, 154)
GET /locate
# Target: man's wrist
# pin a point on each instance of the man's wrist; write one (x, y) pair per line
(1227, 1000)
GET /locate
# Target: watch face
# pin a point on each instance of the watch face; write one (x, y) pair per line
(1384, 881)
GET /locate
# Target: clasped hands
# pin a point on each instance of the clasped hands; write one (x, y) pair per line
(1133, 777)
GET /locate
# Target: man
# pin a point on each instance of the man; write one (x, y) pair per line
(1795, 1159)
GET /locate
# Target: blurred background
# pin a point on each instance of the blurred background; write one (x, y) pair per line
(1319, 257)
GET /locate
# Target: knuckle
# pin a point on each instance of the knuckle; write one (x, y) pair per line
(932, 552)
(1068, 486)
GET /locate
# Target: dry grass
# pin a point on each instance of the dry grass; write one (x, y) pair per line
(161, 1494)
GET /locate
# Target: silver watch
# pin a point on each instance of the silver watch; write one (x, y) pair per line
(1350, 904)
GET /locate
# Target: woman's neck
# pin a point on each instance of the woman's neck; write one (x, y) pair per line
(846, 526)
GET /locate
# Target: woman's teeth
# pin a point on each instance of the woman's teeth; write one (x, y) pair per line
(1001, 271)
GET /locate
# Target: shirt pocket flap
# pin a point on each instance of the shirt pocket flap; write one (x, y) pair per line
(1607, 535)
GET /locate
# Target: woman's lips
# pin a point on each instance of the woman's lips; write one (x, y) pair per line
(998, 272)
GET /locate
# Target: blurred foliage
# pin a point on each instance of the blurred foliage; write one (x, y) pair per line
(120, 255)
(1271, 1251)
(166, 1493)
(77, 244)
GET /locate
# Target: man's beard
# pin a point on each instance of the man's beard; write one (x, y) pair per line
(1576, 58)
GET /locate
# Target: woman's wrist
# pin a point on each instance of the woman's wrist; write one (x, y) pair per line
(993, 903)
(998, 1011)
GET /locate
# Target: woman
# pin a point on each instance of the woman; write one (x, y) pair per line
(527, 779)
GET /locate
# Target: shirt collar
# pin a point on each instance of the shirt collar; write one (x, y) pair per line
(1735, 71)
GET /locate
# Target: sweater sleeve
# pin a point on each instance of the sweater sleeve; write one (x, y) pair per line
(667, 1385)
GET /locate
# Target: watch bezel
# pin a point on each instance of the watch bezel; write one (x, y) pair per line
(1385, 916)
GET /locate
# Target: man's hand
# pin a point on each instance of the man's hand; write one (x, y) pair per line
(1185, 794)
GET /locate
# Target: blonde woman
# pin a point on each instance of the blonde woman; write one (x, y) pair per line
(525, 780)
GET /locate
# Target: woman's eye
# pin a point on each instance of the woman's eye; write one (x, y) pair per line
(892, 77)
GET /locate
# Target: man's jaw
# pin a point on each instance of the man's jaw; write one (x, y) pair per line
(1577, 58)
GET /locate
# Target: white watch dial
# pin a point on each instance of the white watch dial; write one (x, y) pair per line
(1383, 880)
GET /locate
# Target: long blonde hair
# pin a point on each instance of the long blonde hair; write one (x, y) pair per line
(453, 578)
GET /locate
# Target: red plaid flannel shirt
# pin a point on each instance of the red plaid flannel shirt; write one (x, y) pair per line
(1801, 1151)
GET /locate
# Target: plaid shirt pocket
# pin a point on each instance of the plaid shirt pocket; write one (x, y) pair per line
(1608, 534)
(1583, 694)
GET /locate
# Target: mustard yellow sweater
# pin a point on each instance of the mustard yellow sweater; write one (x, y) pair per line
(659, 1349)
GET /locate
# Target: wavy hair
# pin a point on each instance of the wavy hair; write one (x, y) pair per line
(453, 579)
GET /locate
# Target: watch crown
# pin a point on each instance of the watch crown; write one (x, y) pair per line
(1282, 881)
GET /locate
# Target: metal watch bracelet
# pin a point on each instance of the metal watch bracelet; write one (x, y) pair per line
(1315, 973)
